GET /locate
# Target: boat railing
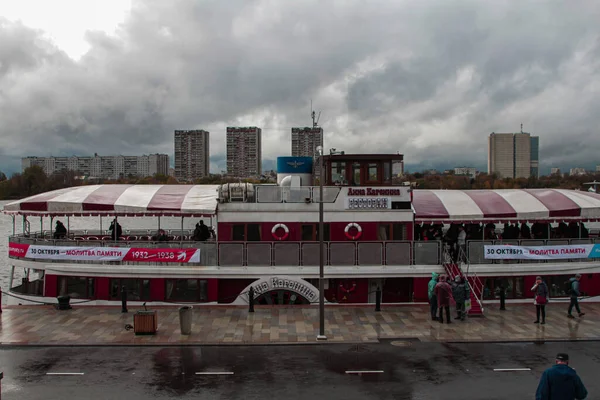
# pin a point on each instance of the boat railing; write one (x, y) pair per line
(300, 194)
(261, 254)
(105, 234)
(306, 254)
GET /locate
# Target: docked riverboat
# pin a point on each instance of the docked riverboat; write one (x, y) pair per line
(376, 235)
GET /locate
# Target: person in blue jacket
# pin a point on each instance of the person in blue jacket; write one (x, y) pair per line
(433, 303)
(561, 382)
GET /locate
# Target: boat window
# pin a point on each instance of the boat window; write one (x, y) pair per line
(326, 236)
(372, 172)
(383, 232)
(253, 232)
(77, 287)
(387, 172)
(145, 289)
(355, 174)
(338, 173)
(186, 290)
(239, 233)
(308, 233)
(137, 289)
(399, 232)
(391, 232)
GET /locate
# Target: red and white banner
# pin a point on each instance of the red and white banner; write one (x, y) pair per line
(64, 253)
(560, 252)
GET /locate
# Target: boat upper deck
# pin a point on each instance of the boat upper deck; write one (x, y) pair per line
(427, 206)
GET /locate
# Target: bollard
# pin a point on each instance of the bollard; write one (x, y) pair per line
(123, 299)
(0, 300)
(1, 377)
(378, 299)
(502, 298)
(251, 299)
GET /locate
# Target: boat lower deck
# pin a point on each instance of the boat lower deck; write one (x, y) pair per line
(271, 290)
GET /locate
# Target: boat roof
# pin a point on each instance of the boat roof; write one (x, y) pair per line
(444, 206)
(430, 206)
(121, 200)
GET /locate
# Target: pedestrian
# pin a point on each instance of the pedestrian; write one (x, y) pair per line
(201, 233)
(540, 299)
(575, 293)
(561, 382)
(462, 244)
(443, 292)
(461, 293)
(115, 230)
(432, 297)
(60, 231)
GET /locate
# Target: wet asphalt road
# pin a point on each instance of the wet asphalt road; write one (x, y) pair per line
(413, 371)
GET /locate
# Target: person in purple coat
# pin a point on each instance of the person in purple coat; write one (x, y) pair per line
(443, 292)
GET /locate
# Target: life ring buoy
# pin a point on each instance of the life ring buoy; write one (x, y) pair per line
(353, 225)
(286, 232)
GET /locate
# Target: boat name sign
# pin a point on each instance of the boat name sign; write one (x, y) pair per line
(301, 287)
(374, 192)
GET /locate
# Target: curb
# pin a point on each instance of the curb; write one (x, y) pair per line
(534, 341)
(195, 344)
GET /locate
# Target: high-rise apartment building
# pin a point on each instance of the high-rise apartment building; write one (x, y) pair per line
(513, 155)
(192, 155)
(244, 152)
(305, 141)
(535, 156)
(103, 167)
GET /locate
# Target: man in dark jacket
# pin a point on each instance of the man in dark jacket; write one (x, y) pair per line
(201, 233)
(560, 382)
(460, 291)
(61, 231)
(115, 230)
(575, 293)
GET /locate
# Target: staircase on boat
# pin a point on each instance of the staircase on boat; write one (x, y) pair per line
(475, 283)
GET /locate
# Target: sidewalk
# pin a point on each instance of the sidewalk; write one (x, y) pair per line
(45, 326)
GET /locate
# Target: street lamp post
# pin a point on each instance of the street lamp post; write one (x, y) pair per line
(321, 335)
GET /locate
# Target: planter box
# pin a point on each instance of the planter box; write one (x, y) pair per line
(145, 322)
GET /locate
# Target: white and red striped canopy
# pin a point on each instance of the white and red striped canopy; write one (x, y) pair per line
(125, 200)
(445, 206)
(442, 206)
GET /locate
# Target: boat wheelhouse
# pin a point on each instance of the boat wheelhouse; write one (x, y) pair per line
(377, 235)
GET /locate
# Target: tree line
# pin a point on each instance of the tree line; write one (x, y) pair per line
(492, 181)
(34, 180)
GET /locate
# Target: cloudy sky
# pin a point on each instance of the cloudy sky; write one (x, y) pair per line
(430, 79)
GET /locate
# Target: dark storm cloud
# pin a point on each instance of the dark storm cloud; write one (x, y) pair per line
(429, 79)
